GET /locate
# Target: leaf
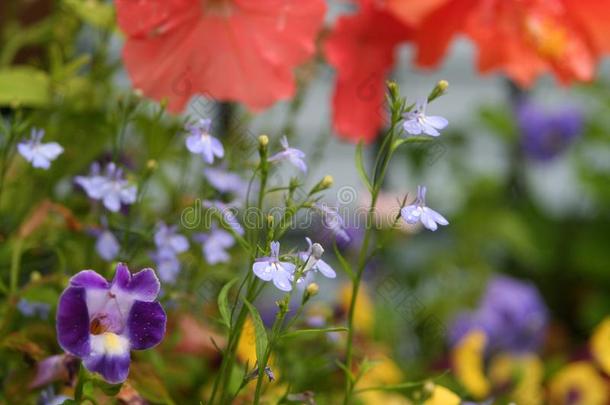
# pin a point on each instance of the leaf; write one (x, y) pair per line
(107, 388)
(360, 166)
(260, 334)
(302, 332)
(344, 264)
(96, 13)
(24, 86)
(223, 303)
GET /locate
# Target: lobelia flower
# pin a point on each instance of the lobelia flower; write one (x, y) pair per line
(111, 188)
(33, 308)
(271, 268)
(312, 259)
(257, 45)
(418, 212)
(227, 213)
(167, 239)
(332, 221)
(168, 265)
(215, 245)
(225, 181)
(107, 246)
(292, 155)
(417, 122)
(200, 142)
(361, 47)
(39, 154)
(101, 322)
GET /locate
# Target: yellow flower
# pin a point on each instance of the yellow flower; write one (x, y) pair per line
(523, 373)
(442, 396)
(578, 384)
(467, 359)
(383, 372)
(600, 345)
(363, 315)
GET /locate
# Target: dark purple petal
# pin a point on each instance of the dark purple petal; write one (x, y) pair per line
(146, 325)
(143, 285)
(73, 322)
(114, 369)
(89, 279)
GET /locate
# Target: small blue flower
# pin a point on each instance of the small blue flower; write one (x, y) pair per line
(312, 259)
(293, 156)
(417, 122)
(227, 213)
(168, 265)
(418, 212)
(33, 308)
(107, 245)
(271, 268)
(111, 188)
(39, 154)
(332, 221)
(166, 238)
(200, 141)
(225, 181)
(215, 245)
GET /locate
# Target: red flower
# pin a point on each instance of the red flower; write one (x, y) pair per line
(237, 50)
(523, 38)
(361, 48)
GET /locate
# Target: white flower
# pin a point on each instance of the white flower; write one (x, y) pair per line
(202, 143)
(271, 268)
(418, 212)
(417, 122)
(39, 154)
(110, 188)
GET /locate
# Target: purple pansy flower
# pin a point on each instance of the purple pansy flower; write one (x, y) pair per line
(111, 188)
(511, 313)
(417, 122)
(215, 244)
(545, 135)
(312, 259)
(227, 213)
(225, 181)
(332, 221)
(418, 211)
(39, 154)
(294, 156)
(271, 268)
(200, 141)
(101, 322)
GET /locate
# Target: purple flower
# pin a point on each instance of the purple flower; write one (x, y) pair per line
(168, 265)
(417, 122)
(511, 313)
(107, 246)
(33, 308)
(418, 211)
(332, 221)
(225, 181)
(215, 245)
(271, 268)
(200, 141)
(312, 259)
(39, 154)
(545, 135)
(100, 322)
(111, 188)
(293, 156)
(227, 213)
(167, 239)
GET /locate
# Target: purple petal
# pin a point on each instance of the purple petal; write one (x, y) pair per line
(73, 322)
(89, 279)
(437, 121)
(194, 143)
(114, 369)
(325, 269)
(217, 147)
(428, 221)
(263, 270)
(143, 285)
(412, 127)
(107, 246)
(281, 280)
(438, 218)
(146, 325)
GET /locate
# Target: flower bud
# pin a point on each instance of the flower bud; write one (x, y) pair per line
(327, 181)
(312, 289)
(443, 85)
(152, 165)
(263, 140)
(428, 389)
(317, 251)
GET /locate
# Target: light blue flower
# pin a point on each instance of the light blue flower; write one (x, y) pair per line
(166, 238)
(418, 212)
(270, 268)
(228, 214)
(200, 141)
(332, 220)
(107, 246)
(168, 265)
(33, 308)
(292, 155)
(225, 181)
(215, 245)
(312, 259)
(417, 122)
(39, 154)
(111, 188)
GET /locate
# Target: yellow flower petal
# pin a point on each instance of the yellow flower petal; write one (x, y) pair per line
(442, 396)
(467, 359)
(523, 373)
(581, 380)
(600, 345)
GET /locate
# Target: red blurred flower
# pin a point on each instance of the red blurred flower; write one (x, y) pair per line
(523, 38)
(361, 47)
(237, 50)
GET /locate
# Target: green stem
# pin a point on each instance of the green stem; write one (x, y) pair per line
(15, 265)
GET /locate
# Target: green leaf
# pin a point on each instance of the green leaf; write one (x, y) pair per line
(305, 332)
(107, 388)
(223, 303)
(24, 86)
(260, 334)
(360, 166)
(96, 13)
(344, 264)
